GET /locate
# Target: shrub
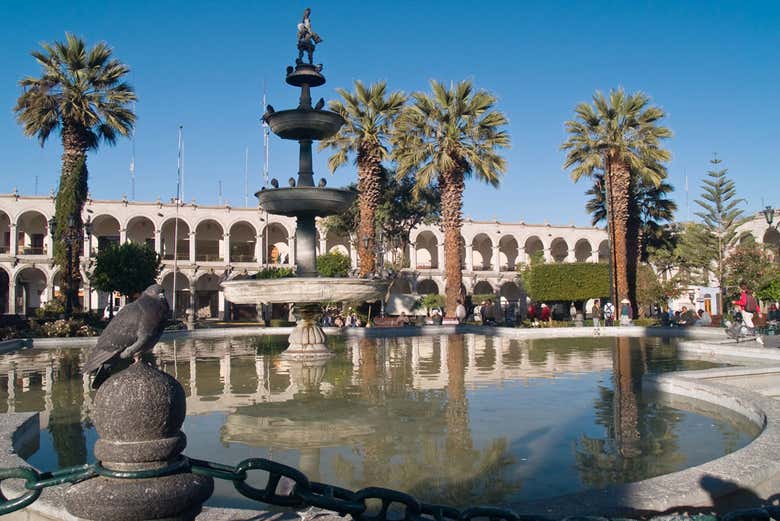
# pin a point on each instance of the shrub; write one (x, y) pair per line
(273, 272)
(566, 282)
(430, 301)
(333, 264)
(54, 308)
(65, 328)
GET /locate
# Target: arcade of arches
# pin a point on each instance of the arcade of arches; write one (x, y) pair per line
(205, 245)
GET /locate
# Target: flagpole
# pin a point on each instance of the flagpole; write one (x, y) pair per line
(266, 149)
(179, 183)
(132, 161)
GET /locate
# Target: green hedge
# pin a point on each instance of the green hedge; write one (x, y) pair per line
(333, 264)
(567, 281)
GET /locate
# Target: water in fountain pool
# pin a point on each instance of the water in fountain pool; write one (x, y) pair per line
(457, 419)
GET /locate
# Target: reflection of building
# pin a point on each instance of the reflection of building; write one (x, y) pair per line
(213, 243)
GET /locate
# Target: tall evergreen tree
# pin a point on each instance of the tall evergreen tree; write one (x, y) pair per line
(721, 215)
(82, 94)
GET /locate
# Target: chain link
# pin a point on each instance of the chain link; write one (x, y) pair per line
(298, 492)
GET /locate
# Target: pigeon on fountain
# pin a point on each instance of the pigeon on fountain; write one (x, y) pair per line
(275, 182)
(291, 182)
(320, 104)
(268, 111)
(323, 183)
(135, 329)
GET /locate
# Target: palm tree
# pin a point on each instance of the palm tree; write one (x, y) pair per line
(369, 113)
(444, 138)
(81, 94)
(650, 207)
(618, 135)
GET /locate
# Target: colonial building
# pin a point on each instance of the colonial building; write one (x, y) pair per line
(204, 245)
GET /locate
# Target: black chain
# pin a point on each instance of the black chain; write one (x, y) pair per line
(297, 492)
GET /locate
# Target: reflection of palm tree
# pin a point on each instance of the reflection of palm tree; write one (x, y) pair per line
(458, 432)
(65, 428)
(624, 455)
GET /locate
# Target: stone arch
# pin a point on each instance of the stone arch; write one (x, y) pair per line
(604, 251)
(482, 252)
(5, 291)
(175, 239)
(508, 253)
(31, 289)
(746, 238)
(104, 233)
(582, 250)
(182, 291)
(209, 241)
(337, 242)
(511, 291)
(243, 238)
(140, 230)
(771, 240)
(427, 250)
(207, 295)
(5, 233)
(533, 247)
(427, 287)
(278, 244)
(482, 287)
(559, 249)
(401, 285)
(31, 230)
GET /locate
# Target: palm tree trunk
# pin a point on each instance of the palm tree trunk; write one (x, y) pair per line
(70, 201)
(619, 188)
(369, 197)
(633, 249)
(452, 185)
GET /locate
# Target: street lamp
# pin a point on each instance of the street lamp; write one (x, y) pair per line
(769, 215)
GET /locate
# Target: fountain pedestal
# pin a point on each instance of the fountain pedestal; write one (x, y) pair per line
(307, 341)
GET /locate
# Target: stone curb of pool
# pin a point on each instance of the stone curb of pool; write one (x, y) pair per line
(754, 467)
(8, 346)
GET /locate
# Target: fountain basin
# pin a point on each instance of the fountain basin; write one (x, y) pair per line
(299, 124)
(305, 200)
(304, 290)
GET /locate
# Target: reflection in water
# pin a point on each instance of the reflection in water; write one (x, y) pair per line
(453, 419)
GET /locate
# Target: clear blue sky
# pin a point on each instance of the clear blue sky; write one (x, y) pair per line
(713, 66)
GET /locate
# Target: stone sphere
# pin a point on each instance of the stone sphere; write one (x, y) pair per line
(140, 403)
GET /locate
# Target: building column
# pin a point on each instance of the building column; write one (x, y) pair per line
(291, 247)
(323, 245)
(192, 246)
(548, 255)
(571, 255)
(412, 257)
(87, 295)
(594, 256)
(221, 305)
(193, 296)
(496, 260)
(353, 256)
(14, 246)
(11, 296)
(521, 256)
(259, 253)
(122, 235)
(226, 248)
(440, 262)
(469, 257)
(158, 242)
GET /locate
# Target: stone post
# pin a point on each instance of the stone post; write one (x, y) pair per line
(14, 241)
(138, 416)
(496, 260)
(226, 248)
(158, 242)
(259, 254)
(469, 257)
(192, 247)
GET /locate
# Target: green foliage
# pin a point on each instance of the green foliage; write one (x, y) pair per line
(749, 263)
(64, 328)
(430, 301)
(51, 309)
(567, 281)
(272, 272)
(770, 291)
(128, 269)
(649, 289)
(333, 264)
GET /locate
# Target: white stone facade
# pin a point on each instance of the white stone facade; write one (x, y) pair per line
(219, 243)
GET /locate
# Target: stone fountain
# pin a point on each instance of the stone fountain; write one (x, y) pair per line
(305, 201)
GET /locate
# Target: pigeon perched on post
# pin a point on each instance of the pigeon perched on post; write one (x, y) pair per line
(135, 329)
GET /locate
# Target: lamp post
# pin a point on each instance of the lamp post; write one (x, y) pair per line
(769, 215)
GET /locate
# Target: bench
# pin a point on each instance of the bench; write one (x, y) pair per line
(391, 321)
